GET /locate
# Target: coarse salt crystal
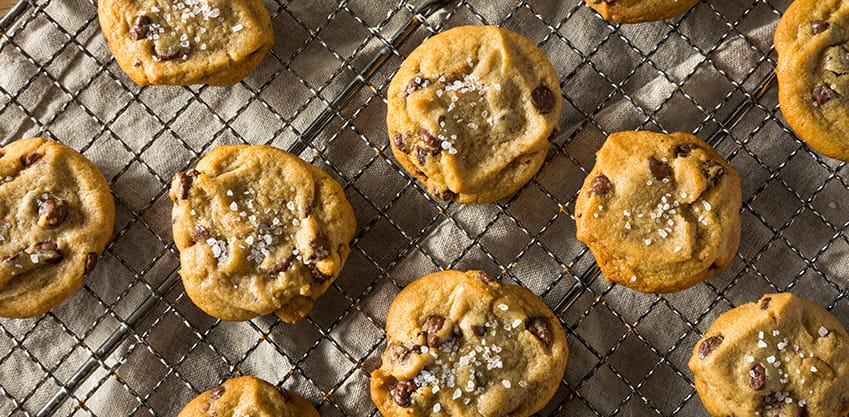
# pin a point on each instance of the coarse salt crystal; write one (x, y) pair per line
(457, 393)
(823, 332)
(506, 383)
(503, 307)
(234, 207)
(517, 323)
(762, 344)
(437, 408)
(237, 28)
(813, 369)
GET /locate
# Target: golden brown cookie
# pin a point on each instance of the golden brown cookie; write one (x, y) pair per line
(259, 231)
(56, 216)
(462, 344)
(812, 41)
(248, 396)
(213, 42)
(660, 213)
(783, 356)
(470, 112)
(637, 11)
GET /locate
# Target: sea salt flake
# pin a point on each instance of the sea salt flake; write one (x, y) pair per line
(823, 332)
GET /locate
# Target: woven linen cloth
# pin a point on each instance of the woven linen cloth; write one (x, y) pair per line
(628, 350)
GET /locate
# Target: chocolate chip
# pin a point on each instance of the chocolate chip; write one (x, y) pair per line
(422, 154)
(140, 28)
(480, 381)
(415, 84)
(683, 150)
(758, 378)
(403, 391)
(765, 302)
(445, 195)
(823, 94)
(399, 141)
(320, 247)
(601, 185)
(709, 345)
(432, 326)
(48, 252)
(541, 328)
(487, 278)
(280, 266)
(819, 26)
(200, 233)
(217, 392)
(319, 276)
(429, 141)
(90, 263)
(30, 158)
(479, 330)
(52, 212)
(543, 99)
(12, 257)
(184, 183)
(659, 169)
(713, 171)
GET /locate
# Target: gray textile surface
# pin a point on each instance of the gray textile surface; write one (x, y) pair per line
(629, 350)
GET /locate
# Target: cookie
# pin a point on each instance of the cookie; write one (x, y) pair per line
(812, 41)
(248, 396)
(213, 42)
(462, 344)
(56, 217)
(660, 213)
(783, 356)
(470, 112)
(259, 231)
(637, 11)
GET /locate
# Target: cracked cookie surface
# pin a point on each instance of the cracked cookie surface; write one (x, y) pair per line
(186, 42)
(248, 396)
(812, 41)
(636, 11)
(259, 231)
(56, 217)
(463, 344)
(660, 213)
(782, 356)
(470, 112)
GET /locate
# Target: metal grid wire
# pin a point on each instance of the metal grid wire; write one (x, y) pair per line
(131, 343)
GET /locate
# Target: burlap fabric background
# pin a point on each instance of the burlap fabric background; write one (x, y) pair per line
(629, 350)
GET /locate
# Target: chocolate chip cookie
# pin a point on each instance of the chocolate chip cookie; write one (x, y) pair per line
(462, 344)
(259, 231)
(782, 356)
(636, 11)
(812, 42)
(470, 112)
(248, 396)
(56, 216)
(660, 213)
(186, 42)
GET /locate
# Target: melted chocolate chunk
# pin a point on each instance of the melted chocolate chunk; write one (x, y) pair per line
(416, 84)
(543, 99)
(184, 183)
(279, 266)
(446, 195)
(140, 28)
(709, 345)
(320, 247)
(823, 94)
(319, 276)
(432, 326)
(819, 26)
(479, 330)
(403, 391)
(601, 185)
(217, 392)
(422, 154)
(52, 212)
(684, 150)
(200, 233)
(90, 262)
(659, 169)
(430, 142)
(487, 278)
(541, 328)
(765, 302)
(48, 252)
(713, 171)
(400, 143)
(758, 378)
(30, 158)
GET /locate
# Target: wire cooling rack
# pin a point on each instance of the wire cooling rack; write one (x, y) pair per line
(131, 343)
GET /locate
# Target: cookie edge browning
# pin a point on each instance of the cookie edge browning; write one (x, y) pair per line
(622, 14)
(748, 313)
(609, 262)
(381, 381)
(795, 101)
(183, 239)
(227, 73)
(195, 407)
(19, 309)
(396, 97)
